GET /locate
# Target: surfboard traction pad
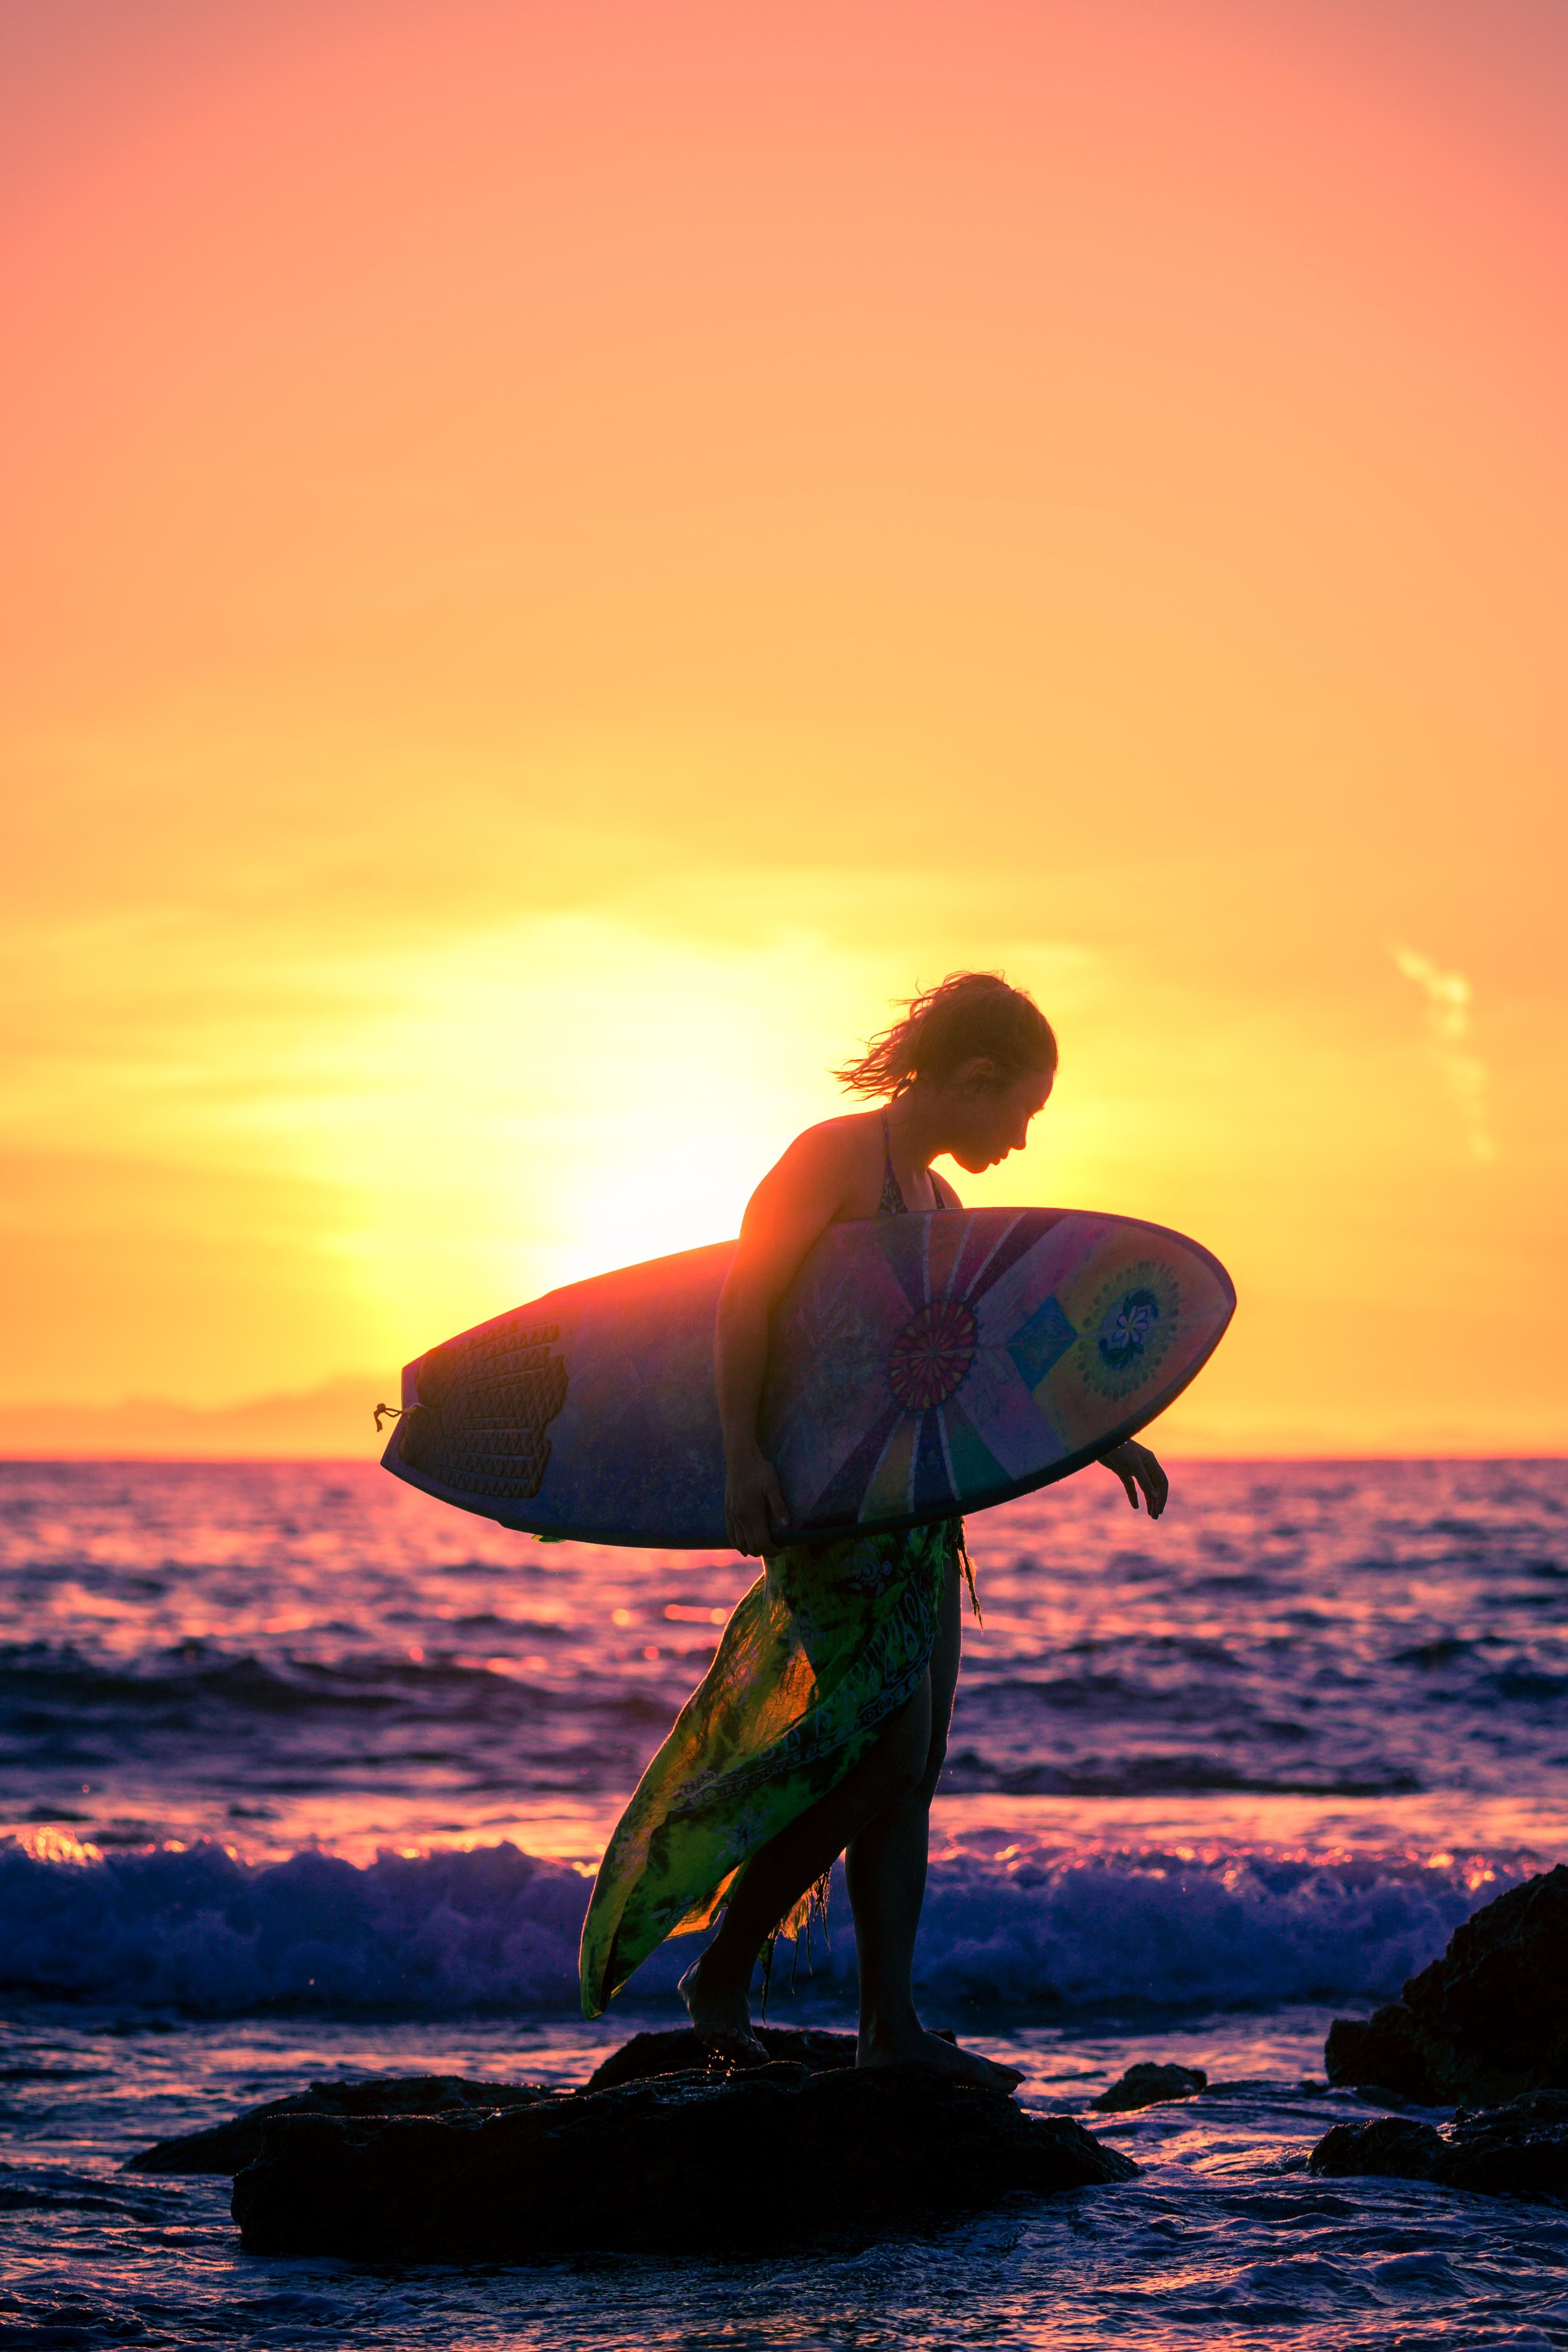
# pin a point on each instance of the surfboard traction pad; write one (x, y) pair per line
(485, 1404)
(920, 1366)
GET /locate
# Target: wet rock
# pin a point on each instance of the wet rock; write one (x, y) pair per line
(1388, 2055)
(1517, 2149)
(1394, 2145)
(769, 2157)
(227, 2147)
(1145, 2086)
(680, 2052)
(1486, 2023)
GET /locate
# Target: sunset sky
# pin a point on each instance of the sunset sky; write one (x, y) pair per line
(562, 553)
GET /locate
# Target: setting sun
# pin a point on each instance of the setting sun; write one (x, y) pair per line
(519, 662)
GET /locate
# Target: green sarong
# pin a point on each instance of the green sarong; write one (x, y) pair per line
(830, 1641)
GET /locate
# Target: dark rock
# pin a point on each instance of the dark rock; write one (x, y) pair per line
(769, 2157)
(1486, 2023)
(680, 2052)
(1393, 2145)
(1519, 2150)
(1145, 2086)
(227, 2147)
(1387, 2052)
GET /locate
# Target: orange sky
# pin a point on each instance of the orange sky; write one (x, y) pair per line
(560, 555)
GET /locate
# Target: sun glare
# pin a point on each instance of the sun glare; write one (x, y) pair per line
(515, 662)
(569, 1096)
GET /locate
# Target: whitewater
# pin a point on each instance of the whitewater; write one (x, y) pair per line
(302, 1773)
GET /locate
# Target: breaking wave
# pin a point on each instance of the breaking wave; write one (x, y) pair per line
(447, 1932)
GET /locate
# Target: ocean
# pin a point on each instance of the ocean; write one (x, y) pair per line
(303, 1774)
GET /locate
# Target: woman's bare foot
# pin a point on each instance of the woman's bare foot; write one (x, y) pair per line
(918, 2048)
(720, 2017)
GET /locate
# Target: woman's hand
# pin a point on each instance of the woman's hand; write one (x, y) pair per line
(1137, 1468)
(755, 1506)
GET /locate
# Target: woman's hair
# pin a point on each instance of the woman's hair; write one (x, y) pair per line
(973, 1014)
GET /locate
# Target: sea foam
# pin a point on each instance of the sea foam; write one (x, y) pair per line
(447, 1932)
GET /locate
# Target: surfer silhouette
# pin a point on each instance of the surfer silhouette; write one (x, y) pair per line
(821, 1727)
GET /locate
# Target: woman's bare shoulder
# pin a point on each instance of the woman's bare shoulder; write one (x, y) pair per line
(830, 1169)
(833, 1146)
(850, 1132)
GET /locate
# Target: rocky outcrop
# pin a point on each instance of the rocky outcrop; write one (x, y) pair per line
(680, 2052)
(1485, 2023)
(702, 2162)
(228, 2148)
(1146, 2085)
(1519, 2149)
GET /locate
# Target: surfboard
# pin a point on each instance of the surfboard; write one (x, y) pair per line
(919, 1366)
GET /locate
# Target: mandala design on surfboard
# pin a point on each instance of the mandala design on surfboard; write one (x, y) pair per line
(931, 1354)
(968, 1352)
(917, 1443)
(1129, 1329)
(485, 1404)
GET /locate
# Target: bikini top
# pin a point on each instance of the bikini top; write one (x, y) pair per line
(892, 1202)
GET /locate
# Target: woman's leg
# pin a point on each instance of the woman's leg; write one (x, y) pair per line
(880, 1812)
(715, 1988)
(885, 1868)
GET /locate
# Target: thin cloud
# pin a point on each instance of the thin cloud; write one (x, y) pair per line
(1449, 998)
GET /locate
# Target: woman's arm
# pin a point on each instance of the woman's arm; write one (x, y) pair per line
(794, 1203)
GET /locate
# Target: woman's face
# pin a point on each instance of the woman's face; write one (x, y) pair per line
(985, 1121)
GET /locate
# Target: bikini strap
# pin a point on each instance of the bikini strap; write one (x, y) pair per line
(892, 1202)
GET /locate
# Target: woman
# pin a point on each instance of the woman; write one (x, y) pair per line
(821, 1726)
